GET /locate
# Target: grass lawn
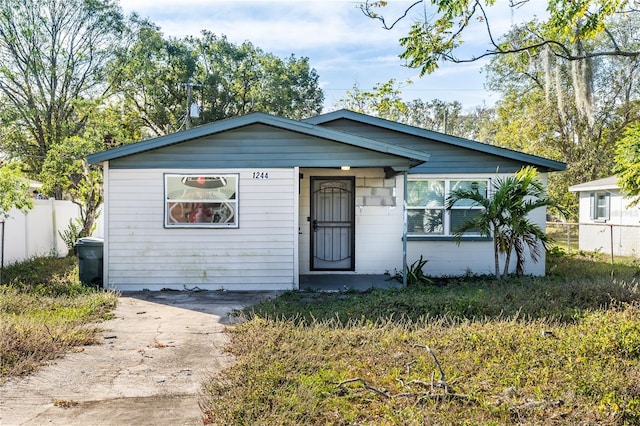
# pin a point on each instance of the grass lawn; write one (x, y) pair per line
(564, 349)
(44, 312)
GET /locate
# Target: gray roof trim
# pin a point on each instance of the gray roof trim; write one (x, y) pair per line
(258, 118)
(535, 160)
(610, 182)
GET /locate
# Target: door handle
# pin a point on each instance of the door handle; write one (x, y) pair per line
(314, 224)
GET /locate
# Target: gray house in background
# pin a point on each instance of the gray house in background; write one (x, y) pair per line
(262, 202)
(607, 222)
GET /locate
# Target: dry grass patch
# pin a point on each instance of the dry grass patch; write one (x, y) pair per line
(45, 312)
(498, 372)
(558, 350)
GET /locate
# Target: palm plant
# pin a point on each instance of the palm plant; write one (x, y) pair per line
(505, 217)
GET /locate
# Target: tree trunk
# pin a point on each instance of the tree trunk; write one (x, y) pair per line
(507, 261)
(496, 255)
(88, 220)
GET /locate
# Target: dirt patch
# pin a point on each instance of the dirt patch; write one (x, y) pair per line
(155, 354)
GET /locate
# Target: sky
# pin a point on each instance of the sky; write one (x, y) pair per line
(343, 46)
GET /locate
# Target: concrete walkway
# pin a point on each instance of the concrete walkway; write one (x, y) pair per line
(155, 354)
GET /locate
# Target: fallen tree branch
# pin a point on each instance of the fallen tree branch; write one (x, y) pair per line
(441, 382)
(431, 394)
(365, 385)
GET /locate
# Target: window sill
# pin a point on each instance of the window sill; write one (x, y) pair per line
(447, 238)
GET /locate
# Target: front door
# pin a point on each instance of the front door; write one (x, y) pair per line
(332, 223)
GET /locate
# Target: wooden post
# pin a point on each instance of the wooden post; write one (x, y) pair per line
(611, 237)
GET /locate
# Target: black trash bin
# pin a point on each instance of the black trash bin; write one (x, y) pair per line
(89, 252)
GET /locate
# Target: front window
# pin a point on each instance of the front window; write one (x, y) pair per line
(198, 201)
(426, 211)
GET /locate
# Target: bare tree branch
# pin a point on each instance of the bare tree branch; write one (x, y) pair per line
(447, 39)
(367, 9)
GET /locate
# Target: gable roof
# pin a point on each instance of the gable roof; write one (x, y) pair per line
(550, 165)
(258, 118)
(610, 182)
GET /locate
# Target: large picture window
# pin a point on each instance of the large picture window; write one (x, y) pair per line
(426, 206)
(199, 201)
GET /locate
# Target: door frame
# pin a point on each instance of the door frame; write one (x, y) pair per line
(352, 240)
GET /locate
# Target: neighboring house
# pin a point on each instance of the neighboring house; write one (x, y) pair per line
(257, 202)
(607, 222)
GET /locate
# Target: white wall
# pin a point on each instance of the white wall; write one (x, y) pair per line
(259, 254)
(378, 229)
(379, 234)
(36, 233)
(595, 236)
(271, 245)
(448, 258)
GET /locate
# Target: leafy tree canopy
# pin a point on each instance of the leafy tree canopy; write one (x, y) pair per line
(53, 55)
(439, 33)
(385, 100)
(14, 190)
(628, 163)
(155, 73)
(571, 111)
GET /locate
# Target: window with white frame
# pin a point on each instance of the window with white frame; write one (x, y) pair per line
(426, 206)
(599, 206)
(201, 201)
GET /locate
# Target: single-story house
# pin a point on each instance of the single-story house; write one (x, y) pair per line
(608, 223)
(256, 202)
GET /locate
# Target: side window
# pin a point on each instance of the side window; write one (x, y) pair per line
(201, 201)
(600, 203)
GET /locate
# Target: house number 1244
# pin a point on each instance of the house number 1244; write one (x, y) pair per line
(260, 175)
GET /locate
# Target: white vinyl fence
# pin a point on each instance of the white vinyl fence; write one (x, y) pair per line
(36, 233)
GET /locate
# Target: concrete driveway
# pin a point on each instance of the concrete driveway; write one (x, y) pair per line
(154, 356)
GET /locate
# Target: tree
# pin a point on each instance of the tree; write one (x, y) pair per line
(385, 100)
(66, 166)
(437, 34)
(154, 74)
(52, 55)
(628, 163)
(505, 217)
(14, 190)
(147, 75)
(237, 80)
(576, 114)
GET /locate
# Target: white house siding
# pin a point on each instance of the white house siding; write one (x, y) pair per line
(448, 258)
(596, 236)
(378, 228)
(259, 255)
